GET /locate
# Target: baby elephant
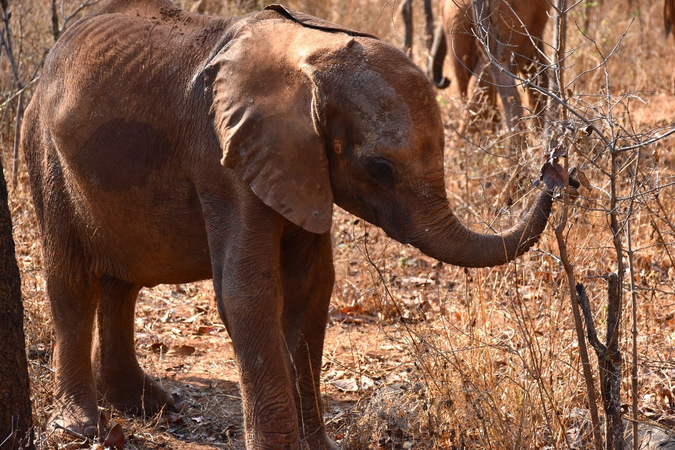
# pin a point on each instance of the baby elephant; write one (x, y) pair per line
(167, 147)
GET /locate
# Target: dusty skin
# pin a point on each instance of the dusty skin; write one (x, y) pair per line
(166, 147)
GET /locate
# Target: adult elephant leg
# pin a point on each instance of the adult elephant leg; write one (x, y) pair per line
(429, 30)
(536, 70)
(73, 299)
(119, 378)
(506, 86)
(465, 58)
(481, 101)
(308, 276)
(244, 238)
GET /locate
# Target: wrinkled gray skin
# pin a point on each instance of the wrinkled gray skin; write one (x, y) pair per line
(165, 147)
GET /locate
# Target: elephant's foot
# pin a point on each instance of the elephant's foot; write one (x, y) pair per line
(76, 420)
(313, 435)
(144, 395)
(331, 445)
(323, 443)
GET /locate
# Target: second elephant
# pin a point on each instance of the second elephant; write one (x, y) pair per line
(516, 26)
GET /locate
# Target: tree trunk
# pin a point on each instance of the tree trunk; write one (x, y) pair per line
(15, 408)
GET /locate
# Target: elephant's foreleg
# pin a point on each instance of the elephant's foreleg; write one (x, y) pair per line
(429, 30)
(464, 58)
(119, 378)
(307, 268)
(481, 110)
(244, 241)
(536, 70)
(73, 301)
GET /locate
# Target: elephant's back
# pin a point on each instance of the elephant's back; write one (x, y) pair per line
(136, 64)
(151, 34)
(144, 8)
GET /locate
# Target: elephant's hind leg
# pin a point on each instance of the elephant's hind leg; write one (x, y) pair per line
(481, 100)
(535, 69)
(119, 378)
(73, 303)
(71, 286)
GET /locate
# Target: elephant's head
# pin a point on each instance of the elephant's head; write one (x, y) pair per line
(337, 118)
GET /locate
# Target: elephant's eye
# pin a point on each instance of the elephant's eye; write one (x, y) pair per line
(382, 170)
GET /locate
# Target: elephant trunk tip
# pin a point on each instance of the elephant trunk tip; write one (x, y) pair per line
(443, 83)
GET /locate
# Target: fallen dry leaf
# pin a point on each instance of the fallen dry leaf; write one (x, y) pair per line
(115, 438)
(352, 385)
(207, 329)
(159, 347)
(183, 350)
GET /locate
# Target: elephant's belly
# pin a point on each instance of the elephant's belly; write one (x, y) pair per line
(147, 239)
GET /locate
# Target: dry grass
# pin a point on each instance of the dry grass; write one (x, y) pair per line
(419, 354)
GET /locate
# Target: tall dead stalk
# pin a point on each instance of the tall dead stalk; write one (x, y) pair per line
(557, 87)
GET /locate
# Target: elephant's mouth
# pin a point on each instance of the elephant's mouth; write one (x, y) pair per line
(392, 221)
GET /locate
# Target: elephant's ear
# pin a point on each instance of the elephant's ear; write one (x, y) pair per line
(266, 123)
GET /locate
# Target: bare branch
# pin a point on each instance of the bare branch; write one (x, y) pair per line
(71, 16)
(646, 143)
(55, 21)
(591, 332)
(7, 44)
(58, 30)
(634, 330)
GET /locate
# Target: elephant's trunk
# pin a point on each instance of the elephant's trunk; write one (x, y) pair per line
(439, 50)
(447, 240)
